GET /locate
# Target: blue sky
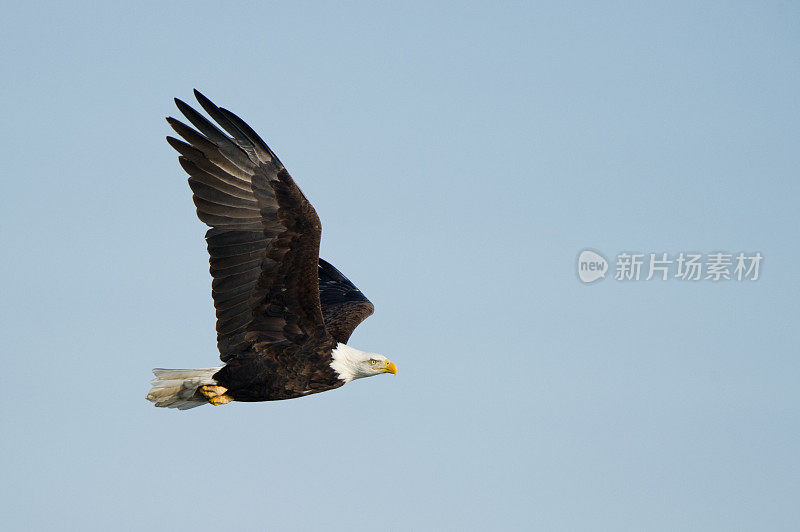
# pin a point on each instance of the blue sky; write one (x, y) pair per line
(460, 158)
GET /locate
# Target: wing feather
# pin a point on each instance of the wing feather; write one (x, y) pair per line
(344, 307)
(264, 238)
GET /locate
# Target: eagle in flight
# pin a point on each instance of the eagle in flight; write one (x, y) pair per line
(284, 315)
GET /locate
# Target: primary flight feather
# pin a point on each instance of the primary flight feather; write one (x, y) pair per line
(284, 315)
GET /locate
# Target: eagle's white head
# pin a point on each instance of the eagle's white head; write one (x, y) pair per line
(350, 363)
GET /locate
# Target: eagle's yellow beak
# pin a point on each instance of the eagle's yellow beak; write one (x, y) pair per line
(389, 367)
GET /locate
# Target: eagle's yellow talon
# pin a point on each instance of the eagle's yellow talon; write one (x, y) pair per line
(210, 392)
(220, 400)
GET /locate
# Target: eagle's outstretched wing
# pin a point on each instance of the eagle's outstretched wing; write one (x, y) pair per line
(264, 237)
(343, 305)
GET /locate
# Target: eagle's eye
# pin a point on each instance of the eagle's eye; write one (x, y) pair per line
(373, 361)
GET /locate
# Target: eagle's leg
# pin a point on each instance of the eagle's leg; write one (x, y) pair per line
(216, 395)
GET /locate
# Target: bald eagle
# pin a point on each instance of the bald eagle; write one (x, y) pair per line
(284, 315)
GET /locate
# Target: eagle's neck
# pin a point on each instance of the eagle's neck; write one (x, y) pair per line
(348, 362)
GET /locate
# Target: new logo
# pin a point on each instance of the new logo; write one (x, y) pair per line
(591, 266)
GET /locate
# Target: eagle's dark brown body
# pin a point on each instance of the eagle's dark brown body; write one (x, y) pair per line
(280, 309)
(264, 377)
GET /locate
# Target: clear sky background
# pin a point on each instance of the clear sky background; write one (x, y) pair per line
(460, 157)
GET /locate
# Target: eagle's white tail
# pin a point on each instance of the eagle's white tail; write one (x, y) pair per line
(177, 388)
